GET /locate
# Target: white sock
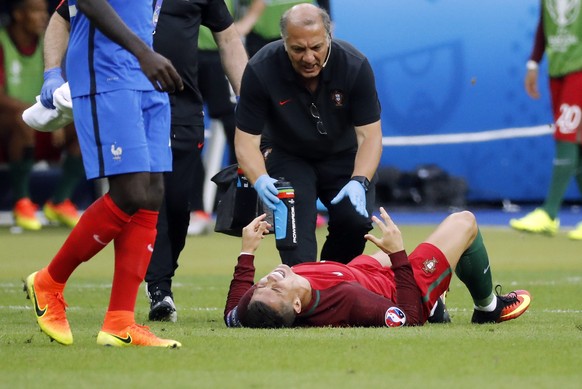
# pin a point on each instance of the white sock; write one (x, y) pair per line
(489, 307)
(433, 309)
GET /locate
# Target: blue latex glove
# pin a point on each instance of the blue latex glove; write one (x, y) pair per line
(52, 80)
(357, 195)
(266, 190)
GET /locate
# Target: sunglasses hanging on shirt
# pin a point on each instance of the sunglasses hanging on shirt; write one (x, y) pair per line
(315, 113)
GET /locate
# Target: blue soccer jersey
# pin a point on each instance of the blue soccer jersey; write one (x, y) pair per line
(95, 64)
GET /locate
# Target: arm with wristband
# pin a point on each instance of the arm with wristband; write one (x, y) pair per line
(367, 158)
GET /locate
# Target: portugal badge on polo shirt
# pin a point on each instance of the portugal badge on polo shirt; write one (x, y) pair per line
(337, 96)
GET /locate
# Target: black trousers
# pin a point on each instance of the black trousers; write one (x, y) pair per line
(323, 179)
(216, 93)
(173, 219)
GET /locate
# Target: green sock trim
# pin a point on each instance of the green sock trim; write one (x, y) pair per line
(474, 271)
(562, 173)
(484, 302)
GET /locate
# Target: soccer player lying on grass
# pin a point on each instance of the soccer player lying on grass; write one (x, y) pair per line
(388, 288)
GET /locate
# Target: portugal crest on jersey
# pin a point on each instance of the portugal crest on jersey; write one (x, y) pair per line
(429, 266)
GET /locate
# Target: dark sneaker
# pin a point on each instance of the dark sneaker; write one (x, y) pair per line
(162, 307)
(439, 314)
(509, 306)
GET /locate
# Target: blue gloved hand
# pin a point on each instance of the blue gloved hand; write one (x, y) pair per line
(357, 195)
(266, 190)
(52, 80)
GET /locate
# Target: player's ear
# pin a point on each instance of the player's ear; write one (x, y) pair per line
(297, 305)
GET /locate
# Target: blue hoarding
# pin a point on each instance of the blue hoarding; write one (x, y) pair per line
(450, 80)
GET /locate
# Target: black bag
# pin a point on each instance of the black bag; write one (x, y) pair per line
(237, 201)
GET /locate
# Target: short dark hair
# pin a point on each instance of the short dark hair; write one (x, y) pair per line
(261, 315)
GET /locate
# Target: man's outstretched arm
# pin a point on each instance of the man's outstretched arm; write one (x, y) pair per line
(242, 280)
(244, 271)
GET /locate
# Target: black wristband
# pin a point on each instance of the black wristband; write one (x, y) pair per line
(362, 180)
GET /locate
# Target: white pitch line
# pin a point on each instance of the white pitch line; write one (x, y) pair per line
(468, 137)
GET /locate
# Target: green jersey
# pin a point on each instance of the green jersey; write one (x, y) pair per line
(563, 32)
(268, 24)
(24, 73)
(205, 38)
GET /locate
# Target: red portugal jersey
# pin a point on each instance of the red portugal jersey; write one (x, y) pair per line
(361, 293)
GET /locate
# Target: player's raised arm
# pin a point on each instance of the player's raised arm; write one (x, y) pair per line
(391, 240)
(253, 233)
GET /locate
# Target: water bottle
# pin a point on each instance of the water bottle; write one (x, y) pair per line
(284, 216)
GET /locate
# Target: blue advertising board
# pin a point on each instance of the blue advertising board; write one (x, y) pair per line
(450, 78)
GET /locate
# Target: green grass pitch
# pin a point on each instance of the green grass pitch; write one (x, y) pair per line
(541, 349)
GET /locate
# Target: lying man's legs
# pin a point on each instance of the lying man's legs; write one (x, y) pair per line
(459, 238)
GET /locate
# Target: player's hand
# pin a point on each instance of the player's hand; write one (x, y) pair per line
(264, 185)
(52, 80)
(531, 84)
(391, 240)
(160, 71)
(357, 195)
(253, 233)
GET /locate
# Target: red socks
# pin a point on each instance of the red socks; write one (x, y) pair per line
(134, 238)
(133, 251)
(99, 224)
(116, 321)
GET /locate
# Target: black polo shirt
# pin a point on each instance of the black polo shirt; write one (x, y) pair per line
(273, 98)
(176, 38)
